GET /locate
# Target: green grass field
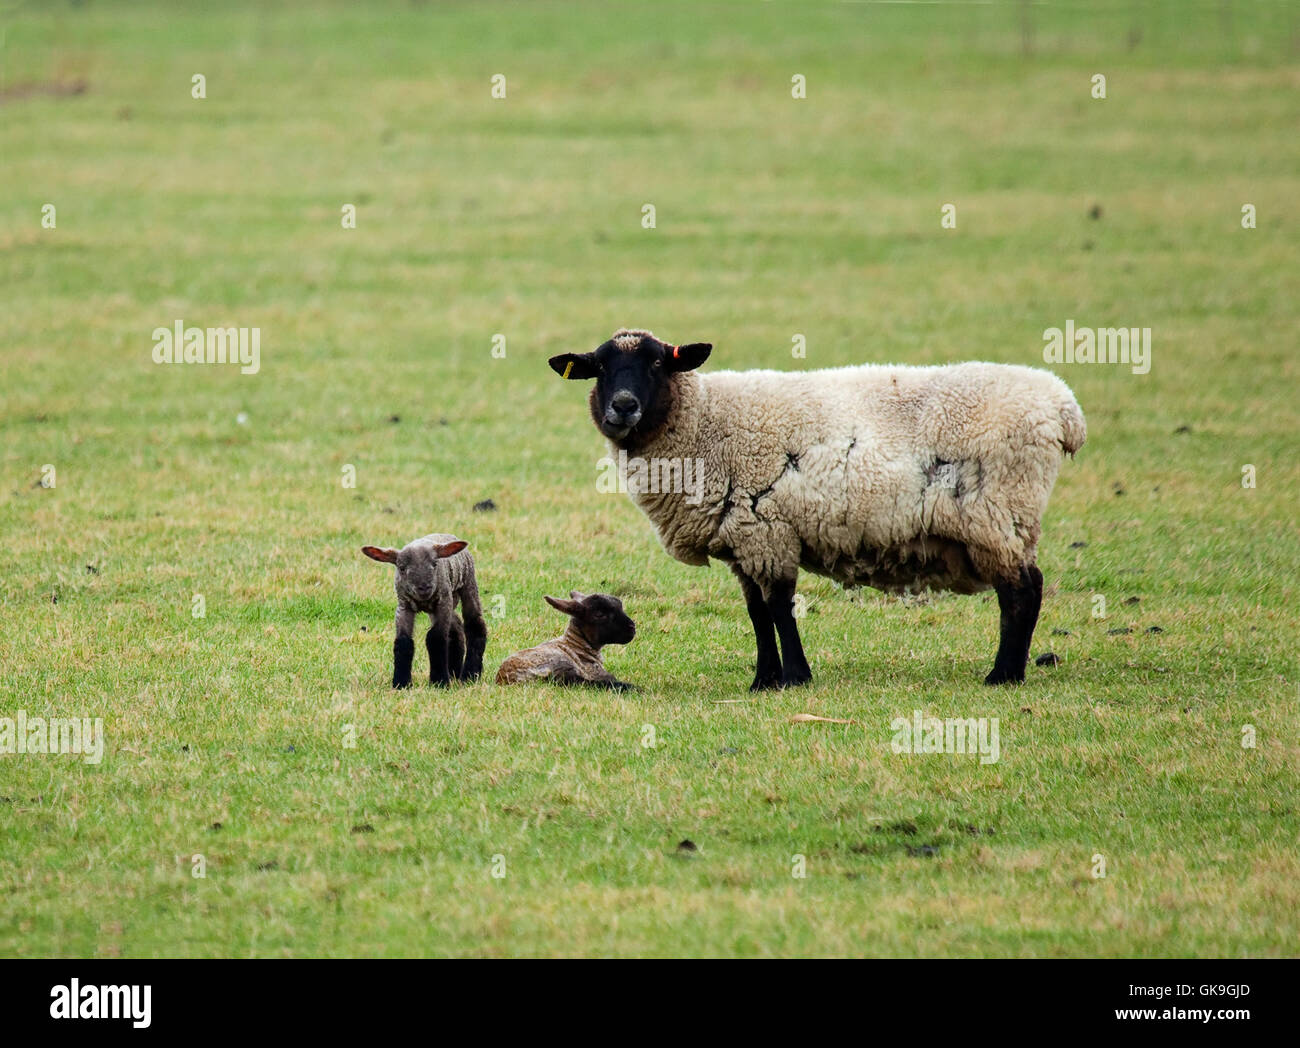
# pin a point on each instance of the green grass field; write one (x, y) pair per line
(227, 736)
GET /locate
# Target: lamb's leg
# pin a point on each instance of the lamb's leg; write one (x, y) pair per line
(403, 647)
(768, 673)
(456, 649)
(608, 680)
(475, 632)
(780, 602)
(569, 676)
(1019, 603)
(437, 641)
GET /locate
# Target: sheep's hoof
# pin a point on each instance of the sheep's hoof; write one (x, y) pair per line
(765, 684)
(400, 684)
(997, 676)
(797, 681)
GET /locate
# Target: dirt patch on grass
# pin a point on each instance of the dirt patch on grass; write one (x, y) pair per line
(44, 89)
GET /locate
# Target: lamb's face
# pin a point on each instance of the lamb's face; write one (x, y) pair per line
(417, 565)
(633, 380)
(605, 620)
(599, 617)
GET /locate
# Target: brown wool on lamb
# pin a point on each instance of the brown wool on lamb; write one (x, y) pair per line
(574, 657)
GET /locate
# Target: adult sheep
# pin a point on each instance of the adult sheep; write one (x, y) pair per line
(899, 478)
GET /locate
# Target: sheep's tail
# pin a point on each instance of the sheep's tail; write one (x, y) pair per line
(1074, 430)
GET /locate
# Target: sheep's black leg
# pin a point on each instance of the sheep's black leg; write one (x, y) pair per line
(768, 673)
(403, 648)
(437, 641)
(456, 649)
(780, 602)
(475, 633)
(1019, 603)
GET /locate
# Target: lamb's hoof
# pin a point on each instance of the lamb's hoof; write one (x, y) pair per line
(997, 676)
(765, 684)
(797, 680)
(400, 684)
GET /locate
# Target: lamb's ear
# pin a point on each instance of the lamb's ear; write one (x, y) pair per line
(388, 556)
(688, 357)
(575, 595)
(575, 365)
(451, 548)
(569, 607)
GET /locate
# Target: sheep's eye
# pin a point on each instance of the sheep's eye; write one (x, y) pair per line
(657, 363)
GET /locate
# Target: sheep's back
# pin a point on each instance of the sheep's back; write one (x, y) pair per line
(969, 406)
(849, 464)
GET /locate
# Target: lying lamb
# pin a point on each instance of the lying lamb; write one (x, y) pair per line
(574, 658)
(899, 478)
(433, 573)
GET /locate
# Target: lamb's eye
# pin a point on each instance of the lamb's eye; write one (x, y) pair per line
(657, 363)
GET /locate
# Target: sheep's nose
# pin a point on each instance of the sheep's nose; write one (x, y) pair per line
(625, 403)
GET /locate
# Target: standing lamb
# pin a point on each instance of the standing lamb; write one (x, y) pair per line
(899, 478)
(433, 573)
(574, 658)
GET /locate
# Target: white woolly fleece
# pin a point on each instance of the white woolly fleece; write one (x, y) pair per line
(900, 478)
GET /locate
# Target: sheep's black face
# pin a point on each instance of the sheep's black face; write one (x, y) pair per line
(632, 372)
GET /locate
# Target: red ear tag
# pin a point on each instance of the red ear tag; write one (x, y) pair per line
(677, 352)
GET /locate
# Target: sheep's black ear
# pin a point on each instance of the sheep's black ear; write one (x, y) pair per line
(451, 548)
(569, 607)
(688, 357)
(575, 365)
(388, 556)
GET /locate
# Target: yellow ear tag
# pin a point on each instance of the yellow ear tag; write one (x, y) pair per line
(567, 368)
